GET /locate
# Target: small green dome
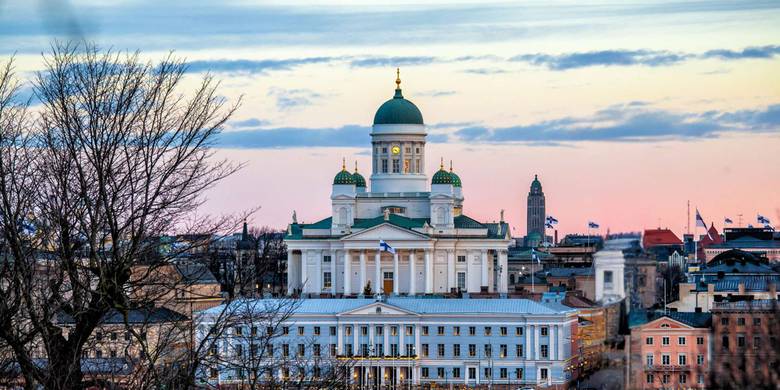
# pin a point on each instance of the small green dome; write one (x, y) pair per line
(441, 177)
(398, 111)
(359, 180)
(344, 177)
(536, 185)
(455, 180)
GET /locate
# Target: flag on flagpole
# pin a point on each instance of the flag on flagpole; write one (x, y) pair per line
(552, 220)
(548, 225)
(762, 220)
(593, 225)
(727, 221)
(535, 257)
(385, 247)
(700, 220)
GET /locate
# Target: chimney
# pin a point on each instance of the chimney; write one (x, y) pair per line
(741, 288)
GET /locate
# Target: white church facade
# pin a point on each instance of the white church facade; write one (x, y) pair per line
(437, 248)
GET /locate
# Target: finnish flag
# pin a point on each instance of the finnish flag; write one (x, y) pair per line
(699, 220)
(762, 220)
(385, 247)
(593, 225)
(535, 257)
(551, 220)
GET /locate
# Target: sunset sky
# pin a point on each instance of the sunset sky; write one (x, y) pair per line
(625, 110)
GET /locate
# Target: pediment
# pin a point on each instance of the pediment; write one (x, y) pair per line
(377, 308)
(388, 232)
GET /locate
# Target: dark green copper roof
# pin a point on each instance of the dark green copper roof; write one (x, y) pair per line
(441, 177)
(398, 111)
(344, 177)
(360, 181)
(536, 183)
(455, 180)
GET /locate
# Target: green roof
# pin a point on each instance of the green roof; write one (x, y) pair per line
(441, 177)
(536, 184)
(693, 319)
(398, 111)
(360, 181)
(344, 177)
(455, 180)
(464, 222)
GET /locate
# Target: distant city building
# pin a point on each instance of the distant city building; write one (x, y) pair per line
(679, 260)
(760, 241)
(418, 342)
(669, 350)
(641, 273)
(536, 214)
(661, 243)
(610, 266)
(732, 274)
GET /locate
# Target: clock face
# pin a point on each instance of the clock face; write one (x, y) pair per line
(396, 149)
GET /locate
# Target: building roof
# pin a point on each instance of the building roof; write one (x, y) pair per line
(152, 315)
(735, 256)
(658, 237)
(398, 111)
(195, 273)
(561, 272)
(731, 283)
(441, 177)
(424, 305)
(693, 319)
(747, 242)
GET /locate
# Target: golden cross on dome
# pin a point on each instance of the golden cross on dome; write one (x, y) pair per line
(441, 165)
(355, 165)
(450, 165)
(343, 163)
(398, 78)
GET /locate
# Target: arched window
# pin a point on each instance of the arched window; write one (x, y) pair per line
(343, 216)
(441, 216)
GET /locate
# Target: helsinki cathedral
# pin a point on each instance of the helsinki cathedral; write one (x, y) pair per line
(406, 234)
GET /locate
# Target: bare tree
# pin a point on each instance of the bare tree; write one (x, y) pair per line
(116, 156)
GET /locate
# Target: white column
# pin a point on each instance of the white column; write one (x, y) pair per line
(537, 335)
(412, 274)
(305, 282)
(318, 278)
(347, 273)
(292, 272)
(450, 270)
(363, 273)
(333, 272)
(396, 288)
(561, 355)
(378, 272)
(417, 346)
(428, 272)
(484, 271)
(371, 335)
(503, 281)
(386, 341)
(340, 339)
(355, 339)
(527, 351)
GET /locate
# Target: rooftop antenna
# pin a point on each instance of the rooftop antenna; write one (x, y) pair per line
(688, 220)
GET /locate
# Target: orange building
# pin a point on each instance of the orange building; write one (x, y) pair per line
(669, 350)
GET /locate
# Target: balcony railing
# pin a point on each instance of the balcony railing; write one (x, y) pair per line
(667, 367)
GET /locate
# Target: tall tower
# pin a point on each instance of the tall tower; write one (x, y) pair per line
(536, 213)
(398, 146)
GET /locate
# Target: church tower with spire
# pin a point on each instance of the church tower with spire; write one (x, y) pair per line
(536, 214)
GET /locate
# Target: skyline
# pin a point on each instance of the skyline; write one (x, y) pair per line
(625, 110)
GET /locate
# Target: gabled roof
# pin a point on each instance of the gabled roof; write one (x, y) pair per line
(712, 237)
(692, 319)
(195, 273)
(464, 222)
(656, 237)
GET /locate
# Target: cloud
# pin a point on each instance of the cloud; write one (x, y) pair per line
(485, 71)
(251, 122)
(392, 61)
(602, 58)
(291, 137)
(629, 123)
(749, 52)
(252, 66)
(290, 99)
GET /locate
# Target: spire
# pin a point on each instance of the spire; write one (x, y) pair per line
(343, 164)
(441, 164)
(397, 78)
(450, 165)
(245, 231)
(355, 166)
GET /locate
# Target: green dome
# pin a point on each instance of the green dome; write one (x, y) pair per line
(344, 177)
(455, 180)
(398, 111)
(536, 184)
(360, 181)
(441, 177)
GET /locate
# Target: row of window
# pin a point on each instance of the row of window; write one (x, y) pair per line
(682, 359)
(742, 341)
(682, 378)
(409, 330)
(740, 321)
(425, 372)
(681, 340)
(409, 165)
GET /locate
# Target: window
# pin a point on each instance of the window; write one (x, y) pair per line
(502, 351)
(700, 359)
(488, 372)
(683, 378)
(665, 378)
(327, 280)
(665, 340)
(410, 331)
(127, 336)
(270, 349)
(472, 350)
(472, 373)
(741, 341)
(649, 341)
(112, 336)
(316, 330)
(99, 336)
(440, 331)
(700, 340)
(682, 359)
(488, 350)
(519, 350)
(285, 350)
(608, 279)
(348, 349)
(393, 349)
(543, 374)
(756, 342)
(724, 321)
(649, 378)
(456, 330)
(301, 349)
(300, 331)
(519, 373)
(472, 330)
(503, 330)
(285, 330)
(461, 280)
(408, 149)
(407, 165)
(649, 359)
(440, 350)
(384, 163)
(425, 350)
(417, 165)
(488, 331)
(333, 350)
(461, 259)
(384, 150)
(456, 350)
(326, 259)
(741, 321)
(502, 373)
(364, 330)
(364, 350)
(316, 350)
(380, 330)
(424, 372)
(700, 379)
(239, 350)
(544, 331)
(410, 350)
(396, 165)
(665, 359)
(545, 351)
(519, 331)
(681, 340)
(456, 372)
(393, 331)
(440, 372)
(213, 373)
(725, 342)
(424, 330)
(756, 321)
(380, 350)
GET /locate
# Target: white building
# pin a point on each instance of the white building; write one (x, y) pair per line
(610, 266)
(438, 249)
